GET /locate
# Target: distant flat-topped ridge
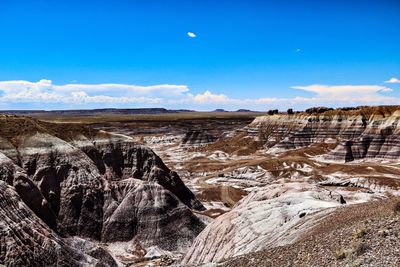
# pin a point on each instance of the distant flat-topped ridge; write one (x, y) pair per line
(89, 112)
(115, 111)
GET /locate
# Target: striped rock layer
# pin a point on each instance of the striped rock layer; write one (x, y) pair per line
(358, 136)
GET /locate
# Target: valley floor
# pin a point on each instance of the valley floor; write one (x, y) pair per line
(269, 200)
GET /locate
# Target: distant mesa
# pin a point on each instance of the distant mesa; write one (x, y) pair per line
(239, 110)
(103, 111)
(244, 110)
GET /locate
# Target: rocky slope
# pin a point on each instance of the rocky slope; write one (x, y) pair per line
(197, 138)
(94, 185)
(272, 216)
(358, 235)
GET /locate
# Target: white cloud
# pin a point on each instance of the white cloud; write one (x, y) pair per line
(191, 34)
(328, 95)
(44, 91)
(337, 95)
(16, 93)
(47, 85)
(207, 97)
(340, 91)
(393, 80)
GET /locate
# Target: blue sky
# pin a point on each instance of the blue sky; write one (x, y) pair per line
(246, 54)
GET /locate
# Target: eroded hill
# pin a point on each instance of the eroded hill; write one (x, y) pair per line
(80, 182)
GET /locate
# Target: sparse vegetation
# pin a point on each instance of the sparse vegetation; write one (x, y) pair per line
(340, 254)
(273, 111)
(360, 232)
(264, 133)
(348, 108)
(317, 110)
(357, 249)
(14, 141)
(364, 111)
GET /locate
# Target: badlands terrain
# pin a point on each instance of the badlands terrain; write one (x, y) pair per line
(182, 188)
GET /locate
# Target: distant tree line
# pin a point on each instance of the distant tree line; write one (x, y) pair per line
(276, 111)
(273, 111)
(314, 110)
(317, 110)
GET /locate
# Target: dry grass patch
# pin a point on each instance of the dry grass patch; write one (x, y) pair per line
(360, 232)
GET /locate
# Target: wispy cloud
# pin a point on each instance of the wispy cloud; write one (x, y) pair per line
(393, 80)
(191, 34)
(340, 95)
(208, 97)
(328, 95)
(13, 93)
(343, 91)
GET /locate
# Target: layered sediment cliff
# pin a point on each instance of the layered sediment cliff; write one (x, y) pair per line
(370, 132)
(198, 138)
